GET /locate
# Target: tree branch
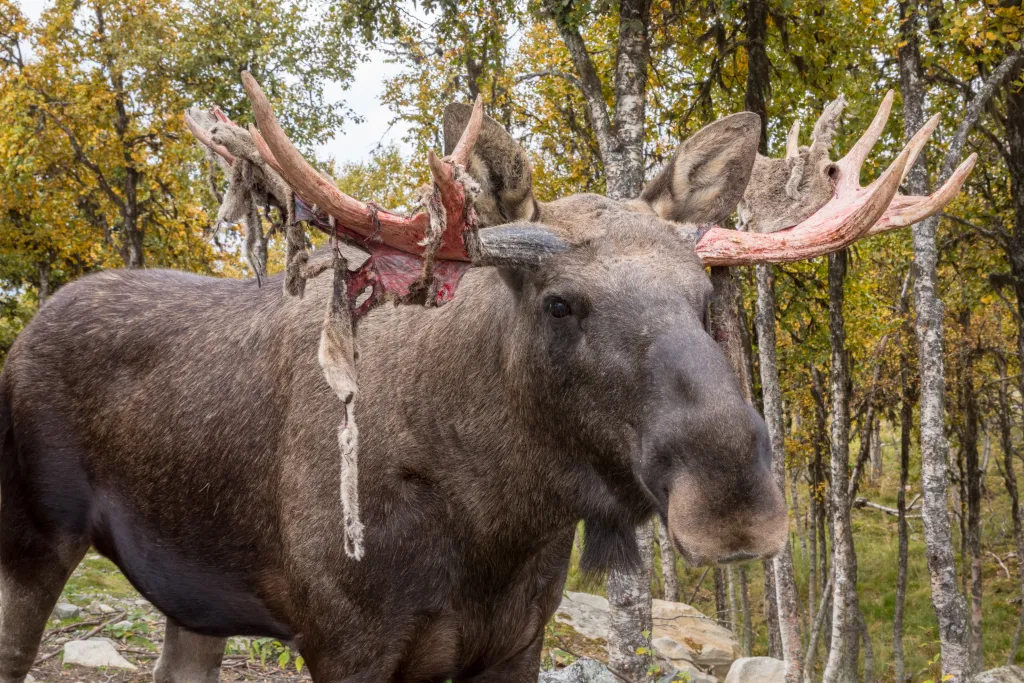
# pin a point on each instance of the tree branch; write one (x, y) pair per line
(83, 159)
(974, 109)
(551, 72)
(590, 82)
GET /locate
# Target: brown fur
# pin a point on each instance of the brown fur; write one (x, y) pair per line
(783, 192)
(488, 429)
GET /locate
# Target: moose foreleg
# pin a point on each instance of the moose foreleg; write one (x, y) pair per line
(188, 657)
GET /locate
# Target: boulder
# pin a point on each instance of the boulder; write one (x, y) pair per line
(756, 670)
(709, 645)
(583, 670)
(95, 653)
(1004, 674)
(65, 610)
(589, 615)
(683, 636)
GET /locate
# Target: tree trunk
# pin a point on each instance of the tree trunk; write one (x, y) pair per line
(1005, 418)
(43, 271)
(844, 618)
(734, 603)
(748, 626)
(876, 452)
(629, 633)
(947, 601)
(669, 578)
(785, 585)
(906, 427)
(972, 477)
(721, 597)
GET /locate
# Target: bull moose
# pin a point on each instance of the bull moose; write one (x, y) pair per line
(182, 425)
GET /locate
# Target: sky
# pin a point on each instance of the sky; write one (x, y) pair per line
(356, 141)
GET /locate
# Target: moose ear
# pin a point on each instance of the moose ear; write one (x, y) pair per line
(498, 164)
(709, 172)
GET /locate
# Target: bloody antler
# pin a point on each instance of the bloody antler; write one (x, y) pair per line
(374, 226)
(852, 213)
(421, 255)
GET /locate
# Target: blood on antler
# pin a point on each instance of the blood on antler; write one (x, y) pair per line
(853, 211)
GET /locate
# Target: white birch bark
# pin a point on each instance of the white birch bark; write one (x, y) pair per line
(785, 585)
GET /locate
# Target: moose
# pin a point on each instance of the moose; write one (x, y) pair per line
(563, 371)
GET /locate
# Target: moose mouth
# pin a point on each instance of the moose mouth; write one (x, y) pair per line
(723, 529)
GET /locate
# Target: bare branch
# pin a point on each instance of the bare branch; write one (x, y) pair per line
(551, 72)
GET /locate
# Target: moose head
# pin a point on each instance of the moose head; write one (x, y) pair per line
(599, 308)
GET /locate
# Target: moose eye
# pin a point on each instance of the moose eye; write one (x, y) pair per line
(557, 308)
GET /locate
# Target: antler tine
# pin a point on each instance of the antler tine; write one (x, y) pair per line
(909, 210)
(918, 142)
(793, 140)
(851, 164)
(263, 149)
(200, 133)
(913, 148)
(460, 155)
(222, 117)
(835, 226)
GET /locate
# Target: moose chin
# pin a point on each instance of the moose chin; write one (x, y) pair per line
(189, 427)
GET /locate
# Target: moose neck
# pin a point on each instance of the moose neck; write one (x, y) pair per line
(442, 379)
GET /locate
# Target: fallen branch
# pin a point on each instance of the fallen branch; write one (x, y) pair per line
(865, 503)
(87, 636)
(1005, 570)
(71, 627)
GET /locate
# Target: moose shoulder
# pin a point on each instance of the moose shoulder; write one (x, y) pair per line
(183, 426)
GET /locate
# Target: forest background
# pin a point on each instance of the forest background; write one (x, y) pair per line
(899, 372)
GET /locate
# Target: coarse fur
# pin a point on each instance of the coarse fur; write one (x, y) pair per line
(783, 192)
(488, 428)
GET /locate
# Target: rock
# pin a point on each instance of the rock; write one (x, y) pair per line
(756, 670)
(65, 610)
(671, 651)
(1004, 674)
(95, 653)
(709, 645)
(683, 636)
(588, 614)
(29, 679)
(583, 670)
(96, 607)
(695, 674)
(125, 625)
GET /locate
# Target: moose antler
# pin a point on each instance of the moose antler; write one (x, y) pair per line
(423, 255)
(853, 211)
(370, 226)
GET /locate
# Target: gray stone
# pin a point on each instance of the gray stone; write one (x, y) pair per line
(29, 679)
(756, 670)
(583, 670)
(589, 615)
(95, 653)
(1004, 674)
(65, 610)
(683, 636)
(123, 625)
